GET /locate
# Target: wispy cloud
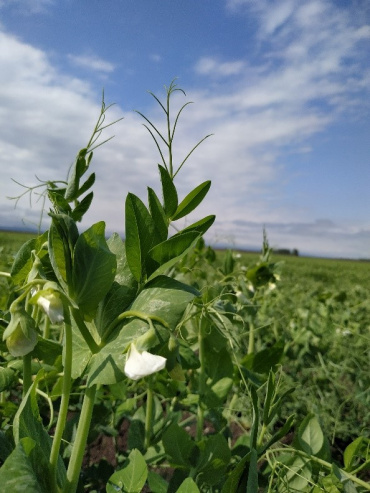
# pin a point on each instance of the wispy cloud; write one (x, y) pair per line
(27, 6)
(92, 62)
(215, 67)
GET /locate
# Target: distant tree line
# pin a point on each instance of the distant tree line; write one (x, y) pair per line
(285, 251)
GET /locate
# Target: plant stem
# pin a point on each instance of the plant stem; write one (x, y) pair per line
(27, 373)
(262, 434)
(75, 462)
(169, 143)
(46, 331)
(251, 338)
(63, 410)
(202, 381)
(149, 415)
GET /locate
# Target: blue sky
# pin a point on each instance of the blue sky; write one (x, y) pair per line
(283, 86)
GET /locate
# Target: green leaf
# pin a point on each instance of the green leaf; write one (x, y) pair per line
(270, 393)
(232, 483)
(214, 459)
(169, 252)
(163, 297)
(157, 483)
(278, 435)
(60, 204)
(310, 435)
(265, 360)
(174, 247)
(79, 211)
(352, 452)
(124, 275)
(132, 477)
(218, 363)
(166, 298)
(188, 358)
(188, 486)
(299, 473)
(140, 235)
(7, 378)
(47, 350)
(77, 171)
(23, 260)
(88, 184)
(178, 446)
(201, 227)
(81, 352)
(94, 269)
(158, 215)
(122, 291)
(6, 445)
(27, 423)
(26, 469)
(252, 484)
(63, 234)
(170, 198)
(255, 418)
(192, 200)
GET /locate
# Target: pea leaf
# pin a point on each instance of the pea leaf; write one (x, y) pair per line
(94, 269)
(77, 171)
(158, 215)
(132, 477)
(140, 235)
(169, 192)
(201, 227)
(169, 252)
(192, 200)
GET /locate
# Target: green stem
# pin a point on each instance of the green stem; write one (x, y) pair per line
(46, 329)
(78, 450)
(251, 338)
(63, 410)
(149, 415)
(262, 434)
(27, 373)
(202, 382)
(169, 143)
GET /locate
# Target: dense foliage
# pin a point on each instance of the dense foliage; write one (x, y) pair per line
(158, 364)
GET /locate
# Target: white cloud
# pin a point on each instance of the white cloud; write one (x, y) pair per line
(27, 6)
(92, 62)
(211, 66)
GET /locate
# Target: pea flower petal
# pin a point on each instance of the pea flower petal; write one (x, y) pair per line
(142, 364)
(52, 306)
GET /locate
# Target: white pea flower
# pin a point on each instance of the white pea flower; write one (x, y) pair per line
(139, 365)
(52, 306)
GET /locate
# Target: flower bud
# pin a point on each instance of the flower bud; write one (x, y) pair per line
(20, 335)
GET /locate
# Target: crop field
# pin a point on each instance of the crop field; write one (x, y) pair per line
(309, 321)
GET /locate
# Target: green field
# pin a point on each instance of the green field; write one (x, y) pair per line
(317, 316)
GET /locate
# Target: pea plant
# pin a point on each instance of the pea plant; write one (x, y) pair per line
(155, 336)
